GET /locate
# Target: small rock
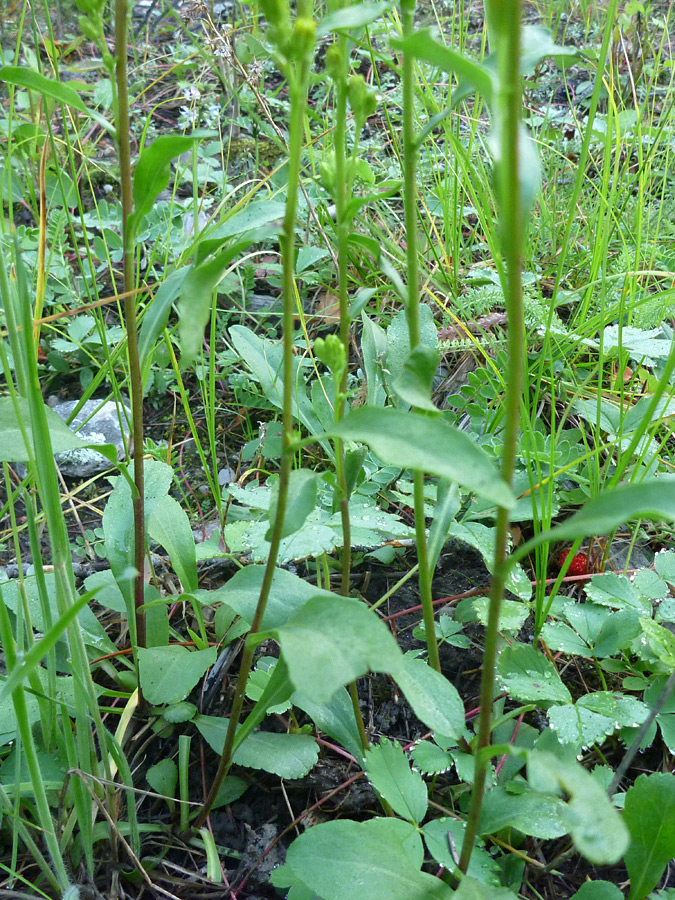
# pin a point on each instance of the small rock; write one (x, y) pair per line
(101, 426)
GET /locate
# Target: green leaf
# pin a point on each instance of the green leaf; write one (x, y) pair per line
(375, 860)
(336, 718)
(333, 640)
(559, 636)
(157, 312)
(374, 349)
(285, 755)
(288, 594)
(445, 833)
(648, 813)
(351, 17)
(430, 759)
(596, 715)
(470, 889)
(254, 216)
(302, 493)
(153, 171)
(654, 500)
(163, 777)
(433, 698)
(415, 383)
(168, 524)
(594, 824)
(598, 890)
(423, 45)
(512, 613)
(661, 641)
(168, 674)
(539, 815)
(536, 44)
(13, 448)
(196, 298)
(527, 675)
(55, 90)
(398, 355)
(446, 508)
(431, 445)
(389, 772)
(118, 521)
(34, 81)
(264, 358)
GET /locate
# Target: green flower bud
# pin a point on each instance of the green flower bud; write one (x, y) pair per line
(301, 42)
(277, 13)
(362, 100)
(327, 172)
(331, 352)
(334, 62)
(90, 29)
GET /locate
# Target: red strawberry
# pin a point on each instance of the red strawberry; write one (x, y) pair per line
(579, 564)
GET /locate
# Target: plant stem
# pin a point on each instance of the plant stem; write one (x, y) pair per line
(505, 18)
(297, 87)
(136, 386)
(342, 186)
(410, 153)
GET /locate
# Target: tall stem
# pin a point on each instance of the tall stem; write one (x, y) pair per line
(505, 19)
(341, 182)
(124, 149)
(410, 153)
(297, 78)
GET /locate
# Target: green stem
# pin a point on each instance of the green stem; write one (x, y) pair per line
(297, 83)
(136, 385)
(505, 17)
(410, 153)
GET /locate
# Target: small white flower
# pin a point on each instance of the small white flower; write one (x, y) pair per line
(192, 93)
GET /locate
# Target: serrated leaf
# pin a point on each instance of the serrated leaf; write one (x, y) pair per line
(594, 824)
(594, 716)
(527, 675)
(389, 772)
(661, 641)
(648, 813)
(430, 759)
(512, 613)
(180, 712)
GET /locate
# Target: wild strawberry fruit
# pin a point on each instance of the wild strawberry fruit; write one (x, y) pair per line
(579, 564)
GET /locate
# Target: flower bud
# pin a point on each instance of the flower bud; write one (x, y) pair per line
(331, 352)
(334, 61)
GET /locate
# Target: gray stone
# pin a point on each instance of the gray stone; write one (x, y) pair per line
(101, 426)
